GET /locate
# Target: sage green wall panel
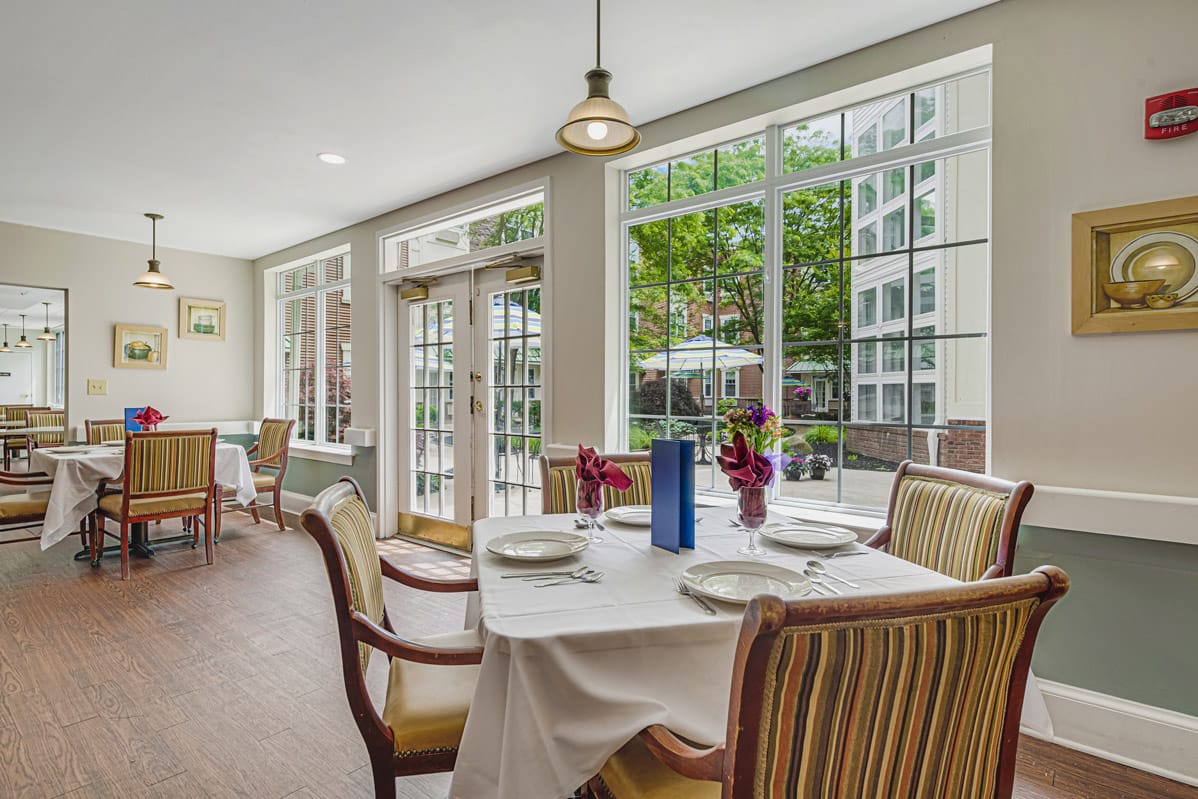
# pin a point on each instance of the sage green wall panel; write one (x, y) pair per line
(1126, 628)
(310, 477)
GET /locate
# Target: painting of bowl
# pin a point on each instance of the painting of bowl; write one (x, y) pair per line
(137, 350)
(1131, 293)
(1171, 256)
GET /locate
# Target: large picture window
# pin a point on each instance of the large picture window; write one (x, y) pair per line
(869, 231)
(315, 350)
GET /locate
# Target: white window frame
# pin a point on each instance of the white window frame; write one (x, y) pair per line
(319, 291)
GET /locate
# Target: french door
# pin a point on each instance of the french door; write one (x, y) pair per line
(471, 401)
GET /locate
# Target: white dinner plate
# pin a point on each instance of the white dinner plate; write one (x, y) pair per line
(636, 515)
(537, 545)
(807, 536)
(740, 580)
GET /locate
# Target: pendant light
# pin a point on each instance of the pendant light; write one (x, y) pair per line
(5, 347)
(46, 334)
(152, 278)
(23, 342)
(598, 125)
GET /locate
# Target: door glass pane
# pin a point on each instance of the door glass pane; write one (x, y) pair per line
(431, 344)
(514, 337)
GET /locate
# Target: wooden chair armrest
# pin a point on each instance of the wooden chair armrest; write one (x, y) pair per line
(880, 538)
(394, 646)
(263, 462)
(995, 570)
(28, 479)
(252, 450)
(698, 764)
(399, 575)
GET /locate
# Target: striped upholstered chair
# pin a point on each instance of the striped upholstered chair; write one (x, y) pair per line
(21, 509)
(46, 419)
(14, 445)
(99, 431)
(168, 475)
(559, 484)
(914, 694)
(431, 679)
(270, 453)
(957, 523)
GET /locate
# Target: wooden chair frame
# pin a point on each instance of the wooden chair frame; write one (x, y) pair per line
(91, 425)
(24, 479)
(1019, 494)
(125, 519)
(12, 445)
(734, 762)
(354, 628)
(277, 491)
(548, 464)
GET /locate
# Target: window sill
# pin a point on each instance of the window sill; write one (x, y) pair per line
(343, 456)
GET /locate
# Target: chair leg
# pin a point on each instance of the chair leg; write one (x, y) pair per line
(125, 549)
(193, 524)
(90, 522)
(384, 776)
(220, 519)
(254, 511)
(98, 537)
(209, 533)
(279, 506)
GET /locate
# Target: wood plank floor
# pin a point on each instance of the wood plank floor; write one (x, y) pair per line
(224, 681)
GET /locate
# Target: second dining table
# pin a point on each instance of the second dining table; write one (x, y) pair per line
(78, 470)
(571, 672)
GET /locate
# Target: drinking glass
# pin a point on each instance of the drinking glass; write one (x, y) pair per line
(751, 511)
(590, 505)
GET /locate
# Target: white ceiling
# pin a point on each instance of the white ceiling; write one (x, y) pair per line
(212, 112)
(17, 300)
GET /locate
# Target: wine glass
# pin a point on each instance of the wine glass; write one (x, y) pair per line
(751, 512)
(590, 505)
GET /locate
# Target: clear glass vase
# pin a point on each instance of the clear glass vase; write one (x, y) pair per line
(751, 512)
(590, 505)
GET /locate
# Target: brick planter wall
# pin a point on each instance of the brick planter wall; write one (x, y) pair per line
(957, 449)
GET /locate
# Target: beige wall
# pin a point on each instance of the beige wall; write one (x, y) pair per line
(208, 381)
(1068, 105)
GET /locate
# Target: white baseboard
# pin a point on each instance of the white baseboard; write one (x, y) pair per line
(1148, 738)
(295, 503)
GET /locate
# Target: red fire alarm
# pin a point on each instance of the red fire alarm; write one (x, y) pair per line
(1168, 116)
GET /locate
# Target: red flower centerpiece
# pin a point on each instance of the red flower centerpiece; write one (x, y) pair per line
(593, 473)
(149, 418)
(749, 473)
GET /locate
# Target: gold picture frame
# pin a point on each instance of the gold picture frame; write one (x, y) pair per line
(201, 319)
(1135, 268)
(139, 347)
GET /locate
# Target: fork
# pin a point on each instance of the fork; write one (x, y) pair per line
(700, 601)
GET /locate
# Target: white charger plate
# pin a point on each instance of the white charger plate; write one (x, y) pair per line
(740, 580)
(537, 545)
(636, 515)
(807, 536)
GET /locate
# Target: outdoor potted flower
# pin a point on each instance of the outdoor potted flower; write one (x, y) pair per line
(818, 464)
(796, 468)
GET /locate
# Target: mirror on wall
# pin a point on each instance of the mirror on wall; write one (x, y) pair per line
(33, 369)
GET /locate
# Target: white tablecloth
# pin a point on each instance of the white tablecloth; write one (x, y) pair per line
(77, 474)
(570, 673)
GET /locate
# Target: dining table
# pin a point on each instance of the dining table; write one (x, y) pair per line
(77, 472)
(571, 672)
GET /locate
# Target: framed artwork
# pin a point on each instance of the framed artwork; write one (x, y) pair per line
(203, 319)
(1135, 268)
(139, 347)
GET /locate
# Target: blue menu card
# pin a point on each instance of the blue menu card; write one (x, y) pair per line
(673, 487)
(129, 423)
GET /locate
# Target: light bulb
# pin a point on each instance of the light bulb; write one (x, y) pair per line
(597, 130)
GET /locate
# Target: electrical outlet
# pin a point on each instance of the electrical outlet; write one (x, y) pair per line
(95, 386)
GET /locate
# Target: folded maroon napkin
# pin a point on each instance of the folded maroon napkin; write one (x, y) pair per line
(148, 416)
(591, 466)
(745, 467)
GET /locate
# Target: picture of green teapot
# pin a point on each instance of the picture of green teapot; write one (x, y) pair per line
(137, 351)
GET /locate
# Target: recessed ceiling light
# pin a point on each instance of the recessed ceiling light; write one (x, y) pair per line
(331, 158)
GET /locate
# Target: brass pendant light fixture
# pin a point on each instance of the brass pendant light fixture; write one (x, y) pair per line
(23, 343)
(598, 125)
(5, 347)
(46, 334)
(152, 278)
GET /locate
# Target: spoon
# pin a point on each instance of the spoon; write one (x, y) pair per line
(589, 577)
(822, 570)
(817, 580)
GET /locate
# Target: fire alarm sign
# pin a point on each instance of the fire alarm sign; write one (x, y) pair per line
(1168, 116)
